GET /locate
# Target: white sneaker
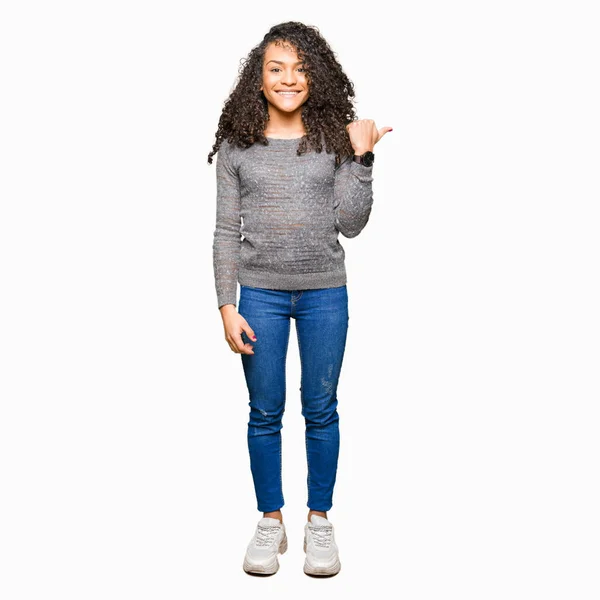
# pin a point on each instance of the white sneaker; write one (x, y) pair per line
(320, 547)
(268, 540)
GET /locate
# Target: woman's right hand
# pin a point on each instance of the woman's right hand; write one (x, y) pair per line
(234, 324)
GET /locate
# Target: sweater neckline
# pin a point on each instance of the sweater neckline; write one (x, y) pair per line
(284, 139)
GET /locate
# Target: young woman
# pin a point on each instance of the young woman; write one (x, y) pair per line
(294, 169)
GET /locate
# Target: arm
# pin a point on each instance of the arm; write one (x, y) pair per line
(353, 197)
(227, 236)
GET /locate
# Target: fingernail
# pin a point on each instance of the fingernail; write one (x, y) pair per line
(254, 338)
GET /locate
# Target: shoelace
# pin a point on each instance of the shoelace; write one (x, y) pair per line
(265, 535)
(321, 535)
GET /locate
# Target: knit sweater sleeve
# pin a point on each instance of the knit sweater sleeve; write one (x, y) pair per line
(353, 196)
(227, 236)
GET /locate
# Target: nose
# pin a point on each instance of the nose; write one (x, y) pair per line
(289, 77)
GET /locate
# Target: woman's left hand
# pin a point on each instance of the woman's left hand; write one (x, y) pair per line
(364, 135)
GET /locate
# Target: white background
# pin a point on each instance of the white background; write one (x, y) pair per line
(469, 395)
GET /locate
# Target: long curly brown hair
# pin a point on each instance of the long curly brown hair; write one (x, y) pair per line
(326, 112)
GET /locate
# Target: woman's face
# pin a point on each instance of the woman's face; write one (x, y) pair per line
(283, 72)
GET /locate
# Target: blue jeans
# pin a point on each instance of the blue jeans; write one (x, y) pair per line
(321, 325)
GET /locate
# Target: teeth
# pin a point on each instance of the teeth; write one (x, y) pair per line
(287, 93)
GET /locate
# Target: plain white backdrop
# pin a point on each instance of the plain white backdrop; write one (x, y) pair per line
(469, 394)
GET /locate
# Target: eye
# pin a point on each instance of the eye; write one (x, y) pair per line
(278, 69)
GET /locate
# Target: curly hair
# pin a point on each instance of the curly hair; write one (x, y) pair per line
(326, 112)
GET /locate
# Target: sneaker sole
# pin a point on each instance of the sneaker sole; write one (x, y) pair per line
(269, 569)
(322, 571)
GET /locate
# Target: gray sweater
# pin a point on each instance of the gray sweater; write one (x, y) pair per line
(279, 216)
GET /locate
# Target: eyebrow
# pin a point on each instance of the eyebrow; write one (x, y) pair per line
(280, 62)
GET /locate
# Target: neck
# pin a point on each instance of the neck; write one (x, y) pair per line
(285, 124)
